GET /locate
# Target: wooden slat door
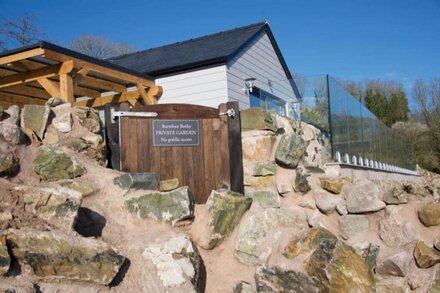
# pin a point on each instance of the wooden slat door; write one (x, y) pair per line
(202, 168)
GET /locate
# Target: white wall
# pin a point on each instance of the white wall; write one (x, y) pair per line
(206, 87)
(257, 60)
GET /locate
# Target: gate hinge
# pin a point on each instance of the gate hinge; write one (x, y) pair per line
(230, 112)
(117, 114)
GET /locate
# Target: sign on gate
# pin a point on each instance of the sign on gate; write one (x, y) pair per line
(176, 133)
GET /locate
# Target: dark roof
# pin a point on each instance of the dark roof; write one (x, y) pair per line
(75, 54)
(207, 50)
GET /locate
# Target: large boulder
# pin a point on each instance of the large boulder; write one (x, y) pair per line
(258, 146)
(395, 265)
(8, 164)
(12, 115)
(92, 145)
(12, 133)
(177, 262)
(333, 185)
(145, 181)
(63, 119)
(425, 257)
(88, 118)
(290, 151)
(309, 241)
(362, 197)
(327, 203)
(395, 230)
(170, 207)
(53, 255)
(35, 118)
(58, 207)
(256, 118)
(429, 214)
(256, 235)
(339, 268)
(264, 198)
(301, 183)
(353, 225)
(396, 195)
(265, 168)
(5, 259)
(52, 165)
(274, 279)
(226, 210)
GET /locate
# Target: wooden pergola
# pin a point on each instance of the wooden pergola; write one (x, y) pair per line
(33, 74)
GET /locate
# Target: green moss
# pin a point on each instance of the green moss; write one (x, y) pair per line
(226, 212)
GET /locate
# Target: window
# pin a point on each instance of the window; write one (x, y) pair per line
(261, 99)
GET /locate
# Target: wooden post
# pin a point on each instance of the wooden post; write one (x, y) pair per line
(235, 151)
(66, 88)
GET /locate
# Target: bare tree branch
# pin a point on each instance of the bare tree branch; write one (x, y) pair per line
(99, 47)
(19, 32)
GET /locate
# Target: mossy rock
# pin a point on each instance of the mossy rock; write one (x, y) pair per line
(169, 207)
(226, 210)
(290, 151)
(429, 215)
(339, 268)
(53, 165)
(258, 119)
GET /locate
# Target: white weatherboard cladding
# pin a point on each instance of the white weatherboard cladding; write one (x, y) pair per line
(257, 60)
(206, 87)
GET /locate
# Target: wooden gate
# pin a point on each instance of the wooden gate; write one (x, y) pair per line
(212, 164)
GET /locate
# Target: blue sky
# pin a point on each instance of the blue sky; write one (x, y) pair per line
(349, 39)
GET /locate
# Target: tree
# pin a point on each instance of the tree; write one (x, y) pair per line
(19, 32)
(99, 47)
(385, 99)
(427, 99)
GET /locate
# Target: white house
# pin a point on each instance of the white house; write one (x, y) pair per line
(243, 64)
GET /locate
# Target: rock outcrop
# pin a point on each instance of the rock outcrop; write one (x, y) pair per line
(394, 230)
(52, 165)
(226, 210)
(256, 233)
(170, 207)
(177, 262)
(290, 151)
(58, 207)
(274, 279)
(425, 256)
(362, 197)
(68, 257)
(429, 215)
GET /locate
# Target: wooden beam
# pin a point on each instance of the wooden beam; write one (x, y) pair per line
(27, 91)
(51, 87)
(117, 98)
(94, 82)
(101, 69)
(13, 98)
(80, 74)
(66, 88)
(21, 55)
(143, 93)
(154, 93)
(45, 72)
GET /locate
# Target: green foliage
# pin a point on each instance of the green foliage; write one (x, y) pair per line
(315, 117)
(385, 99)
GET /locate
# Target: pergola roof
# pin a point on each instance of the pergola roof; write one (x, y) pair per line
(32, 74)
